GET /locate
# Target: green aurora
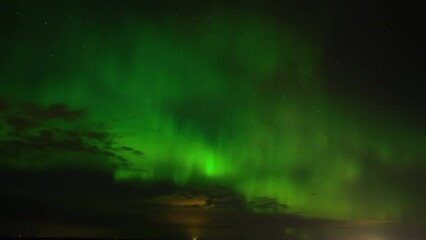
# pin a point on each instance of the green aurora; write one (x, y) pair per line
(216, 100)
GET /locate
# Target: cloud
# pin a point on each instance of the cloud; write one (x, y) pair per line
(180, 200)
(55, 136)
(55, 111)
(266, 204)
(93, 204)
(4, 105)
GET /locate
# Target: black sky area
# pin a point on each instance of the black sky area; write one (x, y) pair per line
(380, 44)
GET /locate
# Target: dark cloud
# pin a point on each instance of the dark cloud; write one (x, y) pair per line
(55, 111)
(265, 204)
(90, 203)
(20, 124)
(131, 150)
(4, 105)
(55, 135)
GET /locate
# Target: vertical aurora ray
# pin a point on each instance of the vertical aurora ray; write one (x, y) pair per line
(239, 102)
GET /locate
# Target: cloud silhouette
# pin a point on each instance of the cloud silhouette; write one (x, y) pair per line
(55, 135)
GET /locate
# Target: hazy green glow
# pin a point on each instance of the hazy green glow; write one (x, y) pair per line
(238, 103)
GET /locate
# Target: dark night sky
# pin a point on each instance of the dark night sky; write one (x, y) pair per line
(383, 42)
(212, 119)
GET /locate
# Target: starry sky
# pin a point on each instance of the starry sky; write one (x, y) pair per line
(198, 119)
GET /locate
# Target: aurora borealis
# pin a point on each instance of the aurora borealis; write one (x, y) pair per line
(210, 109)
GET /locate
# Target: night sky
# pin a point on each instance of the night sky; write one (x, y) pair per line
(213, 119)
